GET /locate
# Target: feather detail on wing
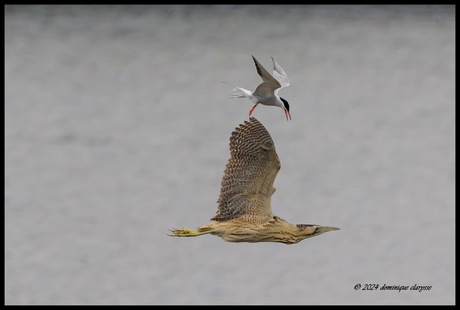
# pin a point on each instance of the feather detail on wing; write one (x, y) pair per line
(249, 175)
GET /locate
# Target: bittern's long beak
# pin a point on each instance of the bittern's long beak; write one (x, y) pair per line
(324, 229)
(288, 115)
(328, 228)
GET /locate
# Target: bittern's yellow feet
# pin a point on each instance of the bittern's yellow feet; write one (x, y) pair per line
(187, 232)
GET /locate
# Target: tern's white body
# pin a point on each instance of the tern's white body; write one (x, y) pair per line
(266, 92)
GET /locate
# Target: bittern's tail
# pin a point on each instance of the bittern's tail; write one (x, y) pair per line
(187, 232)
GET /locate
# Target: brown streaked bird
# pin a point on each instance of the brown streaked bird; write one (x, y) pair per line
(244, 212)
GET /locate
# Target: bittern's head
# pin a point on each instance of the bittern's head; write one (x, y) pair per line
(309, 230)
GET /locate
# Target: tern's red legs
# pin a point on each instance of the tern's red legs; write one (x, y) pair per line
(252, 109)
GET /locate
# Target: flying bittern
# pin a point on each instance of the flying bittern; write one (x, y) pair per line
(244, 211)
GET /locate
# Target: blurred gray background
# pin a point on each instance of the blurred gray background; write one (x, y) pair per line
(117, 130)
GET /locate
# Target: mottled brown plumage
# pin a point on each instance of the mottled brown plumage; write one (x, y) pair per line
(244, 206)
(247, 183)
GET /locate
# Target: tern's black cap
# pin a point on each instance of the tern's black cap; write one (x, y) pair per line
(286, 104)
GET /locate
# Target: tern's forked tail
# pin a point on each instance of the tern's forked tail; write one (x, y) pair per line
(239, 92)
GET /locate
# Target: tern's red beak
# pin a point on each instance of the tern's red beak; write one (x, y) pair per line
(288, 115)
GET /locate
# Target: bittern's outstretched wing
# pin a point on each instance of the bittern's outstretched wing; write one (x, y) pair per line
(247, 183)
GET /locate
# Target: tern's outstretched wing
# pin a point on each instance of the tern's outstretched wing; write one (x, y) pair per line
(269, 84)
(280, 75)
(247, 184)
